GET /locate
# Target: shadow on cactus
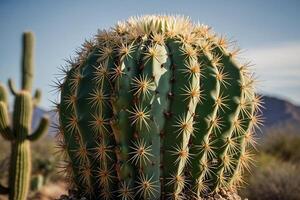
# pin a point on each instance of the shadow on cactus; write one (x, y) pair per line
(156, 108)
(18, 132)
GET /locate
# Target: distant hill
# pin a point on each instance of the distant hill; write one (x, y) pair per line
(277, 113)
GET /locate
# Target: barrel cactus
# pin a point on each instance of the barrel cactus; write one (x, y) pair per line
(19, 133)
(156, 108)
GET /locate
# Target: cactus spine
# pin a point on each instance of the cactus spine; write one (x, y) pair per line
(156, 108)
(19, 134)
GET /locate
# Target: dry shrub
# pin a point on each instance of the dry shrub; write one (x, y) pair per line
(283, 144)
(276, 181)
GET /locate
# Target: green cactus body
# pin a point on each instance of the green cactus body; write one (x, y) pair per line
(3, 94)
(232, 90)
(67, 116)
(179, 126)
(250, 108)
(20, 164)
(125, 71)
(157, 108)
(20, 134)
(148, 99)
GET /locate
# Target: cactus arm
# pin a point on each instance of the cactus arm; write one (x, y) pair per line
(12, 87)
(42, 128)
(5, 130)
(3, 94)
(4, 190)
(27, 61)
(37, 97)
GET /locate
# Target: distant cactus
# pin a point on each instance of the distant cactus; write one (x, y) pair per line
(18, 133)
(156, 108)
(37, 182)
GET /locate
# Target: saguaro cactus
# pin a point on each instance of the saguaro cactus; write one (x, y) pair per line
(156, 108)
(19, 133)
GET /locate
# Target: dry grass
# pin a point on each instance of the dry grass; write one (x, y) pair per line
(276, 176)
(277, 180)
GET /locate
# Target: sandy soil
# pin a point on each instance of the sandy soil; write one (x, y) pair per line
(50, 191)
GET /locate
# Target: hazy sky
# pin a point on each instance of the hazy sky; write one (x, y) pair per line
(267, 31)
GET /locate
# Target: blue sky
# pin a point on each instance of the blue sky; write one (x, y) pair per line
(267, 31)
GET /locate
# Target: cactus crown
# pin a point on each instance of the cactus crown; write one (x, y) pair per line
(151, 24)
(157, 107)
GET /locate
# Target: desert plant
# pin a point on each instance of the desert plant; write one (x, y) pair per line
(274, 179)
(157, 107)
(45, 167)
(282, 142)
(37, 182)
(276, 175)
(19, 131)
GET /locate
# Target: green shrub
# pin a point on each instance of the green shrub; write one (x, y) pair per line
(276, 175)
(283, 143)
